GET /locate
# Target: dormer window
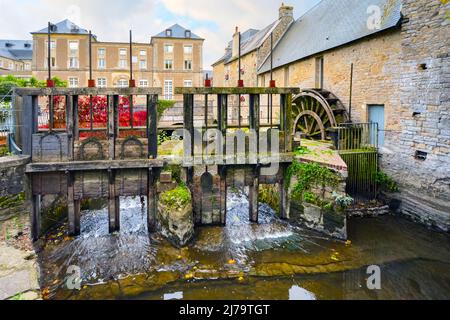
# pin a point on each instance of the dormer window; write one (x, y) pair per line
(168, 32)
(187, 33)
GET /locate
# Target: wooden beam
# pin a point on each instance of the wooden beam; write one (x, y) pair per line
(152, 201)
(253, 197)
(188, 112)
(87, 91)
(113, 104)
(36, 217)
(113, 204)
(235, 90)
(73, 207)
(152, 126)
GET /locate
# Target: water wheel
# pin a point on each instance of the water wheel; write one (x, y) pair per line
(315, 111)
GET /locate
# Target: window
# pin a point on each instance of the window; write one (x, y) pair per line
(11, 66)
(168, 89)
(27, 66)
(101, 52)
(143, 64)
(168, 64)
(143, 83)
(123, 83)
(123, 52)
(188, 83)
(101, 82)
(187, 64)
(319, 73)
(73, 47)
(101, 63)
(123, 63)
(143, 53)
(1, 63)
(168, 48)
(168, 33)
(73, 82)
(187, 33)
(73, 63)
(188, 49)
(52, 45)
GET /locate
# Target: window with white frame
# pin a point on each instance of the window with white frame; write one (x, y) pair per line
(187, 83)
(168, 48)
(73, 82)
(143, 83)
(187, 64)
(122, 52)
(188, 49)
(27, 66)
(123, 63)
(143, 64)
(122, 83)
(101, 51)
(143, 53)
(73, 48)
(101, 63)
(73, 63)
(11, 66)
(168, 89)
(1, 63)
(101, 82)
(168, 64)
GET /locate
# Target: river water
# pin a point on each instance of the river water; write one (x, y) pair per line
(272, 260)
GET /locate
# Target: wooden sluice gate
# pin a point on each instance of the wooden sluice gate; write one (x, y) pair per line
(81, 159)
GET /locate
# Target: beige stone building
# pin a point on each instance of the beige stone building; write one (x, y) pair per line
(16, 58)
(399, 80)
(173, 58)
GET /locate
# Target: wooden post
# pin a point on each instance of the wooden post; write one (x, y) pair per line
(76, 128)
(188, 109)
(36, 217)
(29, 123)
(113, 204)
(222, 113)
(73, 207)
(255, 116)
(152, 126)
(70, 126)
(285, 206)
(286, 121)
(253, 197)
(113, 103)
(223, 195)
(151, 201)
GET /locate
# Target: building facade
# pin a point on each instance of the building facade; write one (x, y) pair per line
(399, 50)
(173, 58)
(16, 58)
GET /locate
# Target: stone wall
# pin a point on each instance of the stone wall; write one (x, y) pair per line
(13, 187)
(418, 155)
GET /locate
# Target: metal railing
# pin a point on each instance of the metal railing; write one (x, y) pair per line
(357, 144)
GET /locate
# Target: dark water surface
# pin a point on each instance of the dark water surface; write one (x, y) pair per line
(272, 260)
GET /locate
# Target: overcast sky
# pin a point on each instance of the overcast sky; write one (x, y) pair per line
(110, 20)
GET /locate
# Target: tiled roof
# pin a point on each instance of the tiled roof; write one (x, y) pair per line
(330, 24)
(178, 32)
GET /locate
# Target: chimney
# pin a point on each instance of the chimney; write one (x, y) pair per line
(286, 12)
(235, 45)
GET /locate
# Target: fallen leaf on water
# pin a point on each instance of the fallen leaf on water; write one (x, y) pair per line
(189, 276)
(348, 243)
(240, 279)
(334, 258)
(232, 261)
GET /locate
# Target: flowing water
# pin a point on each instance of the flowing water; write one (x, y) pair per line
(272, 260)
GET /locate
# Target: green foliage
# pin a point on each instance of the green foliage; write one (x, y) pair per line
(386, 183)
(10, 82)
(4, 152)
(343, 201)
(176, 172)
(163, 105)
(163, 137)
(177, 198)
(302, 151)
(309, 176)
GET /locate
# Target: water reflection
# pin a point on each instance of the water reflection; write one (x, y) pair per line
(300, 294)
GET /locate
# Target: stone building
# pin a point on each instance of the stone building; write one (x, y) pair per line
(173, 58)
(399, 50)
(16, 58)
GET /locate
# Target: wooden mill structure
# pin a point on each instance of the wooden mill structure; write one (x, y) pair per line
(72, 161)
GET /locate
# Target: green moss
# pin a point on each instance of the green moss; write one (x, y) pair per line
(270, 195)
(177, 198)
(386, 183)
(12, 201)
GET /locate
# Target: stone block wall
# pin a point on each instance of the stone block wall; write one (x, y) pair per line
(13, 187)
(418, 155)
